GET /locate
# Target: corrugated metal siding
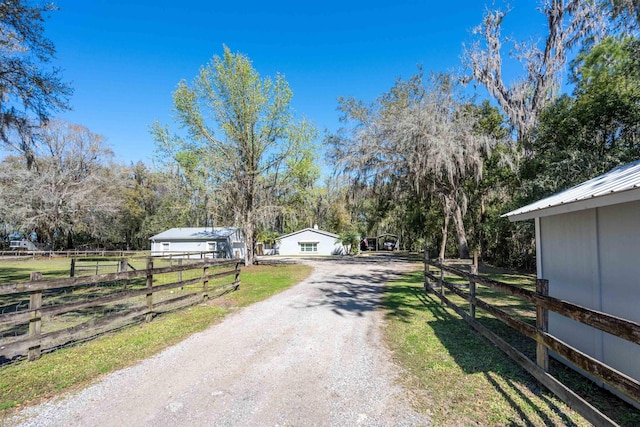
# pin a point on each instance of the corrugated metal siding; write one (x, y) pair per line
(622, 178)
(619, 245)
(589, 258)
(569, 262)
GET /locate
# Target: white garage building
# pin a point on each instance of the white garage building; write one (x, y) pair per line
(310, 241)
(587, 246)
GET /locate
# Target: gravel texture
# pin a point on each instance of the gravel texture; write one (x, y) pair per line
(309, 356)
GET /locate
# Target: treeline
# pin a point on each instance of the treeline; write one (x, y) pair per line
(425, 160)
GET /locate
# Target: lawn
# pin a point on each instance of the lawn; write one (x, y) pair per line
(459, 378)
(19, 270)
(24, 382)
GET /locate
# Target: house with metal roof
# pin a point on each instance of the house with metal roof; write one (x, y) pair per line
(587, 246)
(310, 241)
(218, 242)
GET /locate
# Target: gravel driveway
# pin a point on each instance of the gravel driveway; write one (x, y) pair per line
(309, 356)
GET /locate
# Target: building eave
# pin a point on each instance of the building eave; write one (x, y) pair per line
(578, 205)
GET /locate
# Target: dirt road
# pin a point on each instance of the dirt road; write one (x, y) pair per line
(309, 356)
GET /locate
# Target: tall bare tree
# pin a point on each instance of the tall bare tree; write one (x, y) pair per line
(624, 13)
(420, 132)
(569, 23)
(69, 187)
(262, 143)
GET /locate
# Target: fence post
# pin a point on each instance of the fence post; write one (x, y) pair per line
(121, 269)
(205, 282)
(542, 323)
(427, 286)
(149, 297)
(441, 261)
(236, 281)
(472, 286)
(72, 272)
(35, 323)
(180, 273)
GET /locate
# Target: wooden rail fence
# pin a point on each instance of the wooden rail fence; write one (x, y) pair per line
(629, 330)
(69, 253)
(128, 297)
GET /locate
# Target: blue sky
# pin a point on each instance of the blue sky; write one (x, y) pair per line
(124, 58)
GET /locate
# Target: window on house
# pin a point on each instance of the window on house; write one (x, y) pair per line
(166, 246)
(212, 246)
(308, 247)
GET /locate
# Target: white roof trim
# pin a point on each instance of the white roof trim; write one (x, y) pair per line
(196, 233)
(620, 185)
(308, 241)
(313, 230)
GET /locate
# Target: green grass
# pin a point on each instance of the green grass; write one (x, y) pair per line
(18, 270)
(459, 378)
(24, 382)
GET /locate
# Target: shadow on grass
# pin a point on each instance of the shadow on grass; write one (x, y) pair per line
(470, 352)
(22, 274)
(474, 354)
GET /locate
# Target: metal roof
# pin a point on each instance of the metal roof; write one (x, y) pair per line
(325, 233)
(619, 185)
(195, 233)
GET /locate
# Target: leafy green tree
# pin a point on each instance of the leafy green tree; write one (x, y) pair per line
(141, 197)
(189, 180)
(594, 130)
(29, 90)
(262, 142)
(350, 239)
(291, 205)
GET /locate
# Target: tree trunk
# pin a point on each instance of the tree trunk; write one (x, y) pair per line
(250, 235)
(249, 243)
(69, 240)
(445, 230)
(463, 247)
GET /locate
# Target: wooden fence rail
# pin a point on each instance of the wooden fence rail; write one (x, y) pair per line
(70, 253)
(116, 290)
(86, 254)
(623, 328)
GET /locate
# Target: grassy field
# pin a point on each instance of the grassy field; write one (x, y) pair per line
(459, 378)
(19, 270)
(24, 383)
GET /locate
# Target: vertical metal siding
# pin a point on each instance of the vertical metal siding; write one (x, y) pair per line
(569, 260)
(619, 245)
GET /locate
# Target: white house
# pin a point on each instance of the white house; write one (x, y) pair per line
(25, 245)
(587, 246)
(226, 242)
(310, 241)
